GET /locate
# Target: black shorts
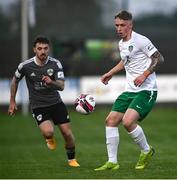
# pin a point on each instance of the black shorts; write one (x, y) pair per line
(57, 113)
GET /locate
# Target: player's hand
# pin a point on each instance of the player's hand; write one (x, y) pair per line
(139, 80)
(105, 78)
(12, 108)
(46, 79)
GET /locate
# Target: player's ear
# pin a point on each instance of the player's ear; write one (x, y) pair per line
(131, 24)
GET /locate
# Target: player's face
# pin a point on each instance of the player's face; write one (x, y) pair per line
(123, 28)
(42, 51)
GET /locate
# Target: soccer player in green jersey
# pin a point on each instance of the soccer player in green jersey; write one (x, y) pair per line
(139, 59)
(45, 78)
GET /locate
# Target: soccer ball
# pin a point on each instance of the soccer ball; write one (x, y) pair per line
(85, 104)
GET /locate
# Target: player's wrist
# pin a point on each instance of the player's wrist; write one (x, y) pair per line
(146, 73)
(12, 99)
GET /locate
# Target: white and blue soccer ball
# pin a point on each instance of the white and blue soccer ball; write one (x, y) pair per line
(85, 104)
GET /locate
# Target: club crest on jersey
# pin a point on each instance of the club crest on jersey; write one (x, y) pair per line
(130, 48)
(50, 72)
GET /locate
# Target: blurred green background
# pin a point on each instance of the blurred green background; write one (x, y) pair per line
(75, 27)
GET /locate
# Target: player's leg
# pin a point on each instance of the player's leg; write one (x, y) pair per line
(129, 121)
(47, 131)
(42, 117)
(61, 118)
(138, 109)
(66, 131)
(112, 140)
(137, 134)
(112, 132)
(112, 135)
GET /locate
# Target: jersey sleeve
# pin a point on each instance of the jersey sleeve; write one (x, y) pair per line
(59, 74)
(147, 47)
(19, 72)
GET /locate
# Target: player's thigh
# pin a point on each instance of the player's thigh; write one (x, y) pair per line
(122, 103)
(143, 103)
(130, 118)
(59, 113)
(118, 109)
(41, 114)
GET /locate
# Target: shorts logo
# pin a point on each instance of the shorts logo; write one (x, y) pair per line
(138, 107)
(39, 117)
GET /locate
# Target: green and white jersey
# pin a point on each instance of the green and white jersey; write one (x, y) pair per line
(135, 55)
(41, 94)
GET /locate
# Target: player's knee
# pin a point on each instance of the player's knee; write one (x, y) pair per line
(110, 121)
(48, 133)
(128, 124)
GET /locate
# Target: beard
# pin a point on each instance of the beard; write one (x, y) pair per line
(42, 57)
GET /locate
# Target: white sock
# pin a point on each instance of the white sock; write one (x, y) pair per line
(112, 141)
(139, 137)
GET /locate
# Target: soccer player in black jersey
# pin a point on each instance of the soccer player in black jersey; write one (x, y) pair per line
(45, 78)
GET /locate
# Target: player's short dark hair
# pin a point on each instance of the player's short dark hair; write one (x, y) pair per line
(124, 15)
(41, 39)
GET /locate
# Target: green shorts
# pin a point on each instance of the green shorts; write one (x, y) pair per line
(142, 102)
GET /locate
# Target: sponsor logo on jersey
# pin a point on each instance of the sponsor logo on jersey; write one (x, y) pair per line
(150, 47)
(50, 72)
(17, 74)
(60, 74)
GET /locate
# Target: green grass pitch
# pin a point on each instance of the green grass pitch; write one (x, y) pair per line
(23, 152)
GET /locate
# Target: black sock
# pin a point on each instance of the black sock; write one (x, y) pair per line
(70, 153)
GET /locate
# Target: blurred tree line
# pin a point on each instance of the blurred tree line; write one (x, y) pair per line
(70, 25)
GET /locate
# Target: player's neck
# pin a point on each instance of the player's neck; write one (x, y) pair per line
(128, 37)
(41, 62)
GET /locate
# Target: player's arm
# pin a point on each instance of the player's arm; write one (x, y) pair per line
(55, 84)
(156, 60)
(107, 76)
(58, 84)
(13, 91)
